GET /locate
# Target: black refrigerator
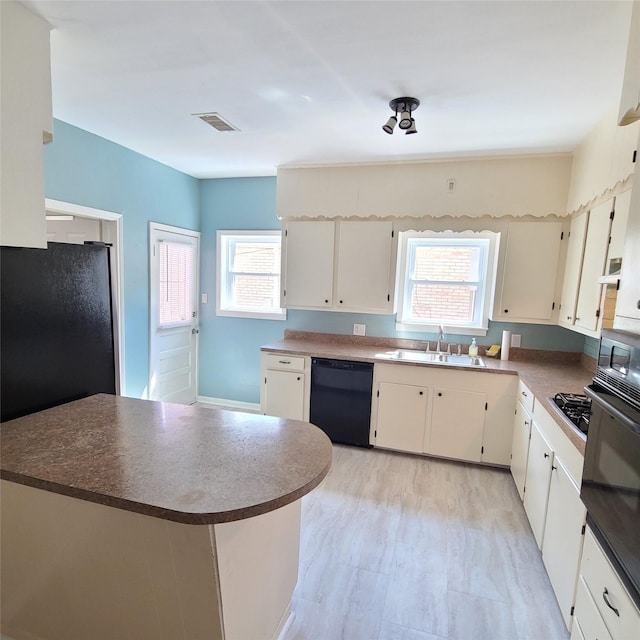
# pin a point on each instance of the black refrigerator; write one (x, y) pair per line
(56, 326)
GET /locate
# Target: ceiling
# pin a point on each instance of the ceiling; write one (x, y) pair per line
(309, 82)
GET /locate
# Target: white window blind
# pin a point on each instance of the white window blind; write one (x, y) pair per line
(176, 279)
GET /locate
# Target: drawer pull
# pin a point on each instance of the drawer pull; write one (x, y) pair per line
(524, 393)
(284, 361)
(605, 593)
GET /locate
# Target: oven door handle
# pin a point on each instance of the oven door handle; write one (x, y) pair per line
(625, 420)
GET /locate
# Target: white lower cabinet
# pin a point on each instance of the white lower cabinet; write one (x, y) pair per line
(563, 537)
(402, 415)
(587, 616)
(285, 386)
(457, 424)
(604, 610)
(520, 447)
(464, 415)
(537, 481)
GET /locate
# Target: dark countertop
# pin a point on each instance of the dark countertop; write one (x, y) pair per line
(187, 464)
(546, 375)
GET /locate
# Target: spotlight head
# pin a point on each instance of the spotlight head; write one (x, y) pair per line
(405, 120)
(391, 123)
(405, 106)
(412, 128)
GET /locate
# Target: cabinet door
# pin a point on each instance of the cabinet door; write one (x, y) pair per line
(402, 415)
(363, 266)
(628, 304)
(563, 538)
(573, 268)
(284, 394)
(530, 267)
(595, 254)
(618, 227)
(308, 264)
(457, 424)
(520, 448)
(537, 480)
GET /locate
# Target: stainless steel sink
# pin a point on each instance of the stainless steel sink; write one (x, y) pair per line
(411, 355)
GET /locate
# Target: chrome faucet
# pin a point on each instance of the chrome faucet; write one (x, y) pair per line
(440, 338)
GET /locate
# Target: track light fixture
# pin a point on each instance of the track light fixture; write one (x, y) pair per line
(407, 123)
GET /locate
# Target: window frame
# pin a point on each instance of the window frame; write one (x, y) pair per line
(487, 282)
(223, 241)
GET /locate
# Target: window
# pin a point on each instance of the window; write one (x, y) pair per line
(175, 280)
(446, 278)
(248, 283)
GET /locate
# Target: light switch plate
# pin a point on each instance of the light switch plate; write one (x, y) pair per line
(359, 329)
(205, 298)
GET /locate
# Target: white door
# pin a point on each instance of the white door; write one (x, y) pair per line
(284, 394)
(173, 331)
(520, 448)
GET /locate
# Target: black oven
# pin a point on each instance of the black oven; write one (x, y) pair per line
(611, 476)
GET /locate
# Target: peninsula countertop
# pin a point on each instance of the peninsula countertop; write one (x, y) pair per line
(186, 464)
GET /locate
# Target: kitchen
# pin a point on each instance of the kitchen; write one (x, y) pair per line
(79, 167)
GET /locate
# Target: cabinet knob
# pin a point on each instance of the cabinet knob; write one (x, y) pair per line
(506, 310)
(421, 392)
(577, 319)
(524, 393)
(440, 393)
(340, 301)
(299, 378)
(638, 304)
(554, 468)
(326, 302)
(546, 455)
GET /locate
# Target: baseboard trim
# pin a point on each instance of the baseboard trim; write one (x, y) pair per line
(234, 404)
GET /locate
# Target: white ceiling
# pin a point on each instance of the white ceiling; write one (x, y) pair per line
(309, 82)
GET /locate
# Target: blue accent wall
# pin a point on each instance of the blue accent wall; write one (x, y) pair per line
(230, 347)
(85, 169)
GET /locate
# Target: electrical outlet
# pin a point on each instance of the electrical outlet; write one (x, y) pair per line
(359, 329)
(515, 339)
(205, 298)
(451, 185)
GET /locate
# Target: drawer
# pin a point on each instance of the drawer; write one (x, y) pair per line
(525, 396)
(604, 585)
(284, 361)
(588, 617)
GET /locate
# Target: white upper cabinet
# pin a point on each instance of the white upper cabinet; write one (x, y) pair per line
(338, 266)
(628, 303)
(573, 269)
(308, 265)
(630, 96)
(596, 237)
(593, 266)
(364, 266)
(26, 122)
(526, 287)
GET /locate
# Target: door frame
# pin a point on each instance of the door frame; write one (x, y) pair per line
(156, 228)
(116, 239)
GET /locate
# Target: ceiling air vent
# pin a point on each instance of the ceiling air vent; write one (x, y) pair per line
(216, 121)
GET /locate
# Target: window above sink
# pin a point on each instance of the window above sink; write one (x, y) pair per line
(446, 278)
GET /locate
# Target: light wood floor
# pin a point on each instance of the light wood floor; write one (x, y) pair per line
(399, 547)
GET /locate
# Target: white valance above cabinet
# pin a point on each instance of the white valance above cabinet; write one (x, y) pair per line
(517, 186)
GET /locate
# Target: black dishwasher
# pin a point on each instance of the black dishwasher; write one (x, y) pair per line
(341, 399)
